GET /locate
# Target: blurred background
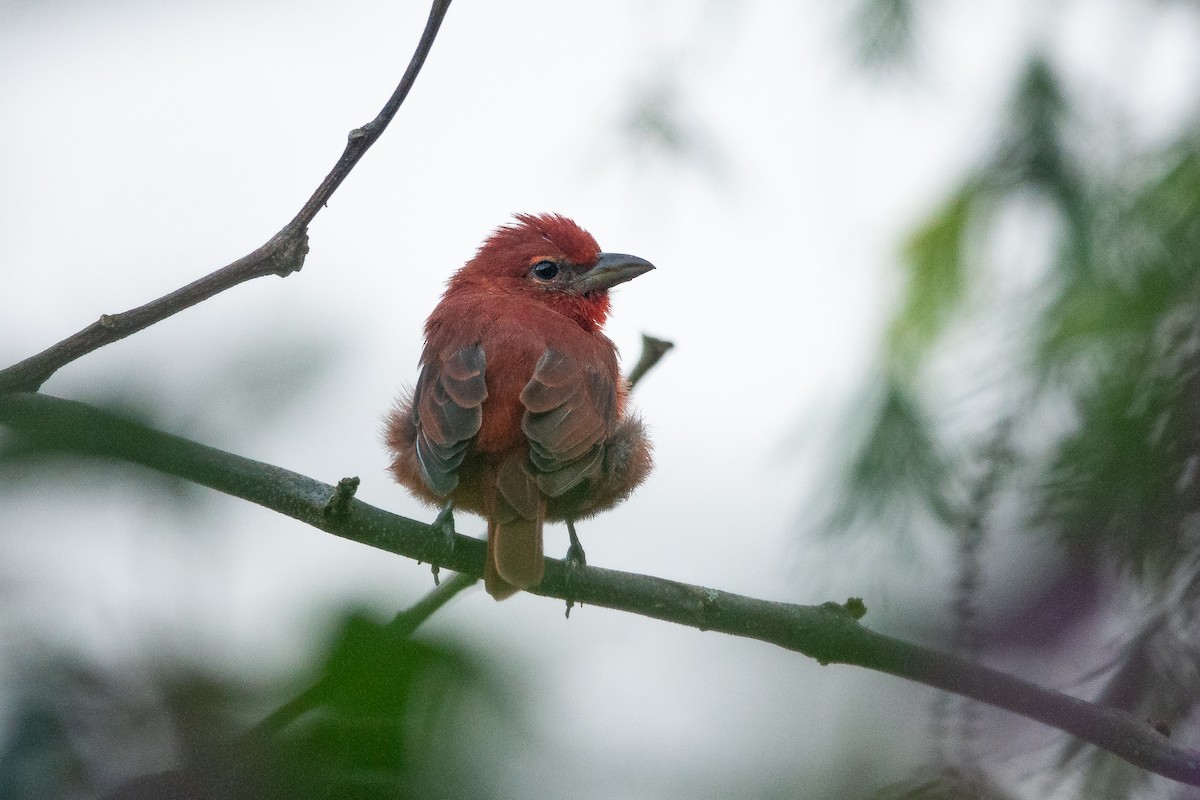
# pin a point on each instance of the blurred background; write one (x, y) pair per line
(931, 271)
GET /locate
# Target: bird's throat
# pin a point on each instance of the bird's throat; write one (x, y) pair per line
(588, 310)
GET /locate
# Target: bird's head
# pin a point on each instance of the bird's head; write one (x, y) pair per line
(550, 259)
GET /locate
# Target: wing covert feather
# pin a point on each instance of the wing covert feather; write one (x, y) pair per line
(449, 412)
(570, 414)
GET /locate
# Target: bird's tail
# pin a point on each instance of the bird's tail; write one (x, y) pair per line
(515, 558)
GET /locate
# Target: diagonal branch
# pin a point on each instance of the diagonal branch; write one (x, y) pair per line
(829, 633)
(404, 624)
(282, 255)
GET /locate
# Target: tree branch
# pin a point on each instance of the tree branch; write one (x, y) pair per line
(653, 350)
(282, 255)
(829, 633)
(403, 624)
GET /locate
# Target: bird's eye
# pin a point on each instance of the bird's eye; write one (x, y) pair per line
(545, 270)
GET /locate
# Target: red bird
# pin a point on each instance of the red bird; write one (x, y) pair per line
(519, 412)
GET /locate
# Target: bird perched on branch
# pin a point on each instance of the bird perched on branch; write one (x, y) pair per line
(519, 413)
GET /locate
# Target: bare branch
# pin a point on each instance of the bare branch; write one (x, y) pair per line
(282, 255)
(829, 633)
(652, 352)
(403, 624)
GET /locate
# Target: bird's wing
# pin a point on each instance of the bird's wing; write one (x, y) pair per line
(448, 402)
(570, 412)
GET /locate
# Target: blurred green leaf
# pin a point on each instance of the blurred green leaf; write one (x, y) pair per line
(387, 715)
(1031, 148)
(896, 471)
(1145, 272)
(373, 669)
(393, 718)
(935, 270)
(1124, 338)
(1113, 482)
(38, 759)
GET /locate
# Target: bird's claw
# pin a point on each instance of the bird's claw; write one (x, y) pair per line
(444, 522)
(576, 561)
(576, 558)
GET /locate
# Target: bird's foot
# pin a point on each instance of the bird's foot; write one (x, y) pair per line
(576, 558)
(576, 562)
(444, 523)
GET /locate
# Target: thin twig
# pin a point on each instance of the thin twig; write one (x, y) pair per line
(411, 618)
(282, 255)
(403, 624)
(829, 633)
(652, 351)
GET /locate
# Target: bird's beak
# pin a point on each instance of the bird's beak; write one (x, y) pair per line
(611, 269)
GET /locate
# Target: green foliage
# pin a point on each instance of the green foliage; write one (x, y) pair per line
(1110, 337)
(897, 472)
(934, 261)
(1120, 482)
(1123, 338)
(1031, 149)
(383, 723)
(1119, 334)
(389, 717)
